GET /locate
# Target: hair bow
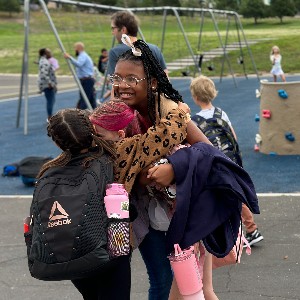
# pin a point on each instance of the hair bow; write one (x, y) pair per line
(126, 40)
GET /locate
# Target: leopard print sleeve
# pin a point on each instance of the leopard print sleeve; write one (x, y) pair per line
(139, 151)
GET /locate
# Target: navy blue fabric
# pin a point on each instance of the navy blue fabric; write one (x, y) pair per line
(210, 191)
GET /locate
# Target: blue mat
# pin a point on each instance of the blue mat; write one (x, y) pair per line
(270, 173)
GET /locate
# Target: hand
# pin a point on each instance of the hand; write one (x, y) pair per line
(67, 55)
(162, 174)
(184, 107)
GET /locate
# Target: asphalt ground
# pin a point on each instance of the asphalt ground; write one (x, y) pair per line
(271, 272)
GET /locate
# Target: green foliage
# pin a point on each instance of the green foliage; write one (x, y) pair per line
(10, 6)
(94, 30)
(297, 4)
(253, 9)
(282, 8)
(227, 5)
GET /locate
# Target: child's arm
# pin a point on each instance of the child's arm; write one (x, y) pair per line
(195, 135)
(139, 151)
(233, 132)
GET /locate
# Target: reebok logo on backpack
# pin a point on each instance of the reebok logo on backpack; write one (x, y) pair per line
(56, 219)
(67, 229)
(220, 135)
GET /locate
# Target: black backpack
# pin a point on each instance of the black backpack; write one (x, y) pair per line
(220, 135)
(67, 230)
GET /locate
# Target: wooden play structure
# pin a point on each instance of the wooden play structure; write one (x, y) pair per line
(280, 118)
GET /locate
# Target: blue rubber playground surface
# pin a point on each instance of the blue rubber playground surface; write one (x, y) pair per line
(270, 173)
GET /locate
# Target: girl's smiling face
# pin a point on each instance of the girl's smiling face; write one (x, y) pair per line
(134, 95)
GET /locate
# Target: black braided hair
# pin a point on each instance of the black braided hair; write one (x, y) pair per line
(73, 132)
(152, 70)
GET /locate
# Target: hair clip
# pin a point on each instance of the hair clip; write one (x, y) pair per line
(126, 40)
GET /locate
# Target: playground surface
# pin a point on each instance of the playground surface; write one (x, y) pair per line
(271, 272)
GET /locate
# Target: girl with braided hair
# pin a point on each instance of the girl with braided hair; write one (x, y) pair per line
(142, 84)
(74, 134)
(72, 131)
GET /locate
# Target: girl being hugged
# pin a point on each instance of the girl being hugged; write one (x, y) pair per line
(275, 58)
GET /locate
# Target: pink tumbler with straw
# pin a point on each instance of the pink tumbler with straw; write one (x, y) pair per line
(116, 201)
(186, 272)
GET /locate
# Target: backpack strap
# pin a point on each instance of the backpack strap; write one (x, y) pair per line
(198, 120)
(217, 113)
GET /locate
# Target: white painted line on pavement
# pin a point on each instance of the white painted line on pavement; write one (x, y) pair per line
(15, 196)
(278, 194)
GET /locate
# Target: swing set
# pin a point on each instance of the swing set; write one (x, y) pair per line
(191, 57)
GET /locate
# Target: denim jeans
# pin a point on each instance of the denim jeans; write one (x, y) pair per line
(153, 251)
(50, 97)
(88, 87)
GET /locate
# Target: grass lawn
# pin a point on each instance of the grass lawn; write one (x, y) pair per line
(94, 31)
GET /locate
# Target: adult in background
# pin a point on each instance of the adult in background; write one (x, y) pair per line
(47, 81)
(85, 71)
(125, 22)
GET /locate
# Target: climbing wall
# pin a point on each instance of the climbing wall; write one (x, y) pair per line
(279, 125)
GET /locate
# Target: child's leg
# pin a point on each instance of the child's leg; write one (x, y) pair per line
(283, 78)
(174, 292)
(247, 219)
(275, 78)
(208, 289)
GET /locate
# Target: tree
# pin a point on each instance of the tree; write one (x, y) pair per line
(228, 4)
(10, 6)
(297, 4)
(253, 9)
(282, 8)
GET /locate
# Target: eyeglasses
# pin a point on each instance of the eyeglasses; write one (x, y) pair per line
(114, 27)
(130, 81)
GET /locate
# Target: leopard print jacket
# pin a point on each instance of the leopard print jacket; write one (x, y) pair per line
(137, 152)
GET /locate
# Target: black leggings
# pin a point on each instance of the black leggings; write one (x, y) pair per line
(113, 284)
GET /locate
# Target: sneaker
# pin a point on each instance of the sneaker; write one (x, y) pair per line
(253, 237)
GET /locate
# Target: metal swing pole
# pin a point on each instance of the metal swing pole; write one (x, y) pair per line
(224, 52)
(200, 41)
(24, 79)
(226, 39)
(163, 30)
(185, 37)
(239, 24)
(241, 49)
(45, 9)
(23, 67)
(105, 73)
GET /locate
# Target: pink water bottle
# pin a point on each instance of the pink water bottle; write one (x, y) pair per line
(186, 272)
(116, 201)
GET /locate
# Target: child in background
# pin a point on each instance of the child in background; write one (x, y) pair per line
(53, 61)
(103, 61)
(275, 58)
(204, 92)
